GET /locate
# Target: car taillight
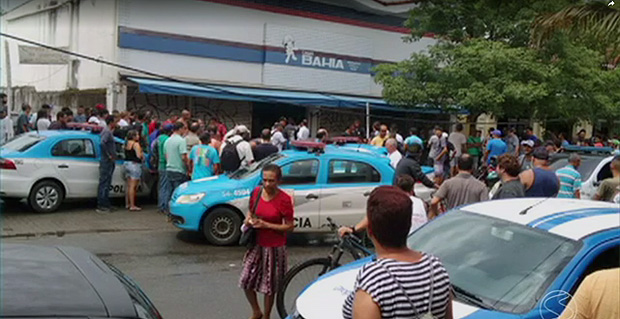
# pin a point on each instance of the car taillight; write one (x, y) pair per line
(7, 164)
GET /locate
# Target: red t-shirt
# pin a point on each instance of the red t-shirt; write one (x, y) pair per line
(274, 211)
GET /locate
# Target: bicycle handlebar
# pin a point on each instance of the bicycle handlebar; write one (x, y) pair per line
(334, 227)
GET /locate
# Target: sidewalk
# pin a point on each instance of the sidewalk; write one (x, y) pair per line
(19, 222)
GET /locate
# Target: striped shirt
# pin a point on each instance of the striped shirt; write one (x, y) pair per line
(415, 278)
(570, 181)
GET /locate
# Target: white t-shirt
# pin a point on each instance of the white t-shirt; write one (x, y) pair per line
(93, 120)
(304, 133)
(418, 214)
(395, 158)
(278, 140)
(399, 138)
(123, 123)
(6, 129)
(244, 149)
(43, 124)
(458, 140)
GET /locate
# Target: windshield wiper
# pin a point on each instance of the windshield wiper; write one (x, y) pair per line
(471, 297)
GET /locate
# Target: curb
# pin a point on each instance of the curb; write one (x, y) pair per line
(62, 233)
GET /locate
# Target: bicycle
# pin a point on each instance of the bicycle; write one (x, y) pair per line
(302, 274)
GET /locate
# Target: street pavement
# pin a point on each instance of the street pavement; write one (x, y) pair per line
(185, 277)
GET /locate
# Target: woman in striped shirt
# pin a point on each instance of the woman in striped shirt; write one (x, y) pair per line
(401, 283)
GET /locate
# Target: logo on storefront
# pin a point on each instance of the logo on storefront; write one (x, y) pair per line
(290, 48)
(311, 58)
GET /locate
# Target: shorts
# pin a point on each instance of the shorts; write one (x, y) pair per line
(133, 170)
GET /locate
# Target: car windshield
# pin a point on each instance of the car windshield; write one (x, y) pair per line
(479, 254)
(23, 142)
(588, 165)
(244, 172)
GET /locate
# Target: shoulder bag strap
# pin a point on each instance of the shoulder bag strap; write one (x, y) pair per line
(400, 286)
(255, 205)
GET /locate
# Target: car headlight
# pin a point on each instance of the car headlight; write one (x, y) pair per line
(190, 199)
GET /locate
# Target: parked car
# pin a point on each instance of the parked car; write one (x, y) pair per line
(48, 167)
(324, 181)
(67, 282)
(594, 166)
(514, 258)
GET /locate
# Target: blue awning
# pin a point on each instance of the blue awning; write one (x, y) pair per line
(266, 95)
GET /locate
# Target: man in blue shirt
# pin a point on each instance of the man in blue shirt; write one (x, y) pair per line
(413, 139)
(570, 178)
(496, 146)
(204, 158)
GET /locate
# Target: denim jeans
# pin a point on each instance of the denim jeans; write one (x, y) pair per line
(163, 192)
(173, 179)
(106, 170)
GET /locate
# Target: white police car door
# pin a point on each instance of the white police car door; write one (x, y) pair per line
(589, 188)
(77, 166)
(344, 196)
(299, 179)
(118, 185)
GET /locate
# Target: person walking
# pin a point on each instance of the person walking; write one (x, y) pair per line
(303, 133)
(608, 186)
(508, 169)
(236, 151)
(158, 148)
(133, 168)
(401, 282)
(106, 166)
(204, 159)
(22, 121)
(459, 141)
(597, 297)
(540, 181)
(570, 178)
(438, 152)
(191, 138)
(393, 153)
(265, 264)
(460, 190)
(496, 146)
(177, 162)
(474, 147)
(380, 139)
(265, 148)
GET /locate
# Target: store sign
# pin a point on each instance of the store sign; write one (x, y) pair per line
(38, 55)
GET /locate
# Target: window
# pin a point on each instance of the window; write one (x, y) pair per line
(300, 172)
(609, 258)
(74, 148)
(342, 171)
(604, 173)
(23, 142)
(120, 150)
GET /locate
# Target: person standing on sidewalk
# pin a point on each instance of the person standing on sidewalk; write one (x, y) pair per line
(474, 147)
(204, 159)
(177, 161)
(191, 138)
(508, 169)
(570, 178)
(540, 181)
(458, 139)
(106, 165)
(158, 148)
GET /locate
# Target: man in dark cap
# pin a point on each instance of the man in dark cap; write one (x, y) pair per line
(540, 181)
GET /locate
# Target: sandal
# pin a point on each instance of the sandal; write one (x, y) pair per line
(135, 209)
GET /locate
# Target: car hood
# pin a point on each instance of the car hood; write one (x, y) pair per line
(324, 298)
(210, 184)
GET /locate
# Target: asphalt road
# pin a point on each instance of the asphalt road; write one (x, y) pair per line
(185, 277)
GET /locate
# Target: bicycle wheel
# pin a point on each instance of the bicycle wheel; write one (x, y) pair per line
(295, 280)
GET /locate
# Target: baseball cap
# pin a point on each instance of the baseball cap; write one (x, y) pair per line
(169, 127)
(529, 143)
(240, 129)
(100, 106)
(497, 132)
(541, 153)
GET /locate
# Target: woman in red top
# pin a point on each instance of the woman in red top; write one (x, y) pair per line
(264, 265)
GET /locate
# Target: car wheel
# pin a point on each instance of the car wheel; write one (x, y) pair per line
(222, 226)
(46, 196)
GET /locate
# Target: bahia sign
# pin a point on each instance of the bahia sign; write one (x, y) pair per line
(308, 58)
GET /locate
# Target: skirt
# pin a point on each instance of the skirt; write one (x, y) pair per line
(263, 269)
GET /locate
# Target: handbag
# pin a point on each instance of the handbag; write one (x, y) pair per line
(248, 234)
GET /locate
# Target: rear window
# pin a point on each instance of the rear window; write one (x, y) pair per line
(23, 142)
(588, 165)
(143, 306)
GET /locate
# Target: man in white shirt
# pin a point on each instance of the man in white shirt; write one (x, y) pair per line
(459, 140)
(304, 132)
(6, 126)
(277, 138)
(394, 154)
(418, 213)
(240, 134)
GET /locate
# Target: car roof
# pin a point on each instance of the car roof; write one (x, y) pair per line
(51, 133)
(330, 150)
(570, 218)
(39, 281)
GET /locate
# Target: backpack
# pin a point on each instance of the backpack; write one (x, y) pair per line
(229, 159)
(154, 158)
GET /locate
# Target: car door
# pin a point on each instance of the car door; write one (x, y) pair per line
(117, 187)
(77, 166)
(299, 179)
(590, 187)
(343, 197)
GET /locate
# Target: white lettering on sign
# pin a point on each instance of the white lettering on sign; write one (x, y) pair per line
(309, 58)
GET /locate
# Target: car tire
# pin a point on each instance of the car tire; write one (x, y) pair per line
(222, 226)
(46, 196)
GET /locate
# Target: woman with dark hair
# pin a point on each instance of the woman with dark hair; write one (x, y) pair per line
(401, 283)
(133, 168)
(264, 265)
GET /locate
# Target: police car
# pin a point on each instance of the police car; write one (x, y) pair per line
(48, 167)
(324, 181)
(515, 258)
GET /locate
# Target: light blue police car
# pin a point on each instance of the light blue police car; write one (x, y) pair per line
(48, 167)
(516, 258)
(324, 181)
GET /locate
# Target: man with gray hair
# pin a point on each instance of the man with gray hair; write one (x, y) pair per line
(393, 153)
(570, 178)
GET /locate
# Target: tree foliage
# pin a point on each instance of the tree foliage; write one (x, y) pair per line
(484, 63)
